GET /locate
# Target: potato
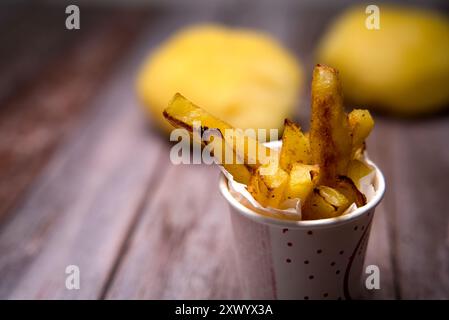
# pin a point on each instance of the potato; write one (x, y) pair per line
(347, 187)
(330, 141)
(402, 68)
(248, 149)
(244, 77)
(324, 202)
(182, 113)
(303, 179)
(357, 170)
(319, 168)
(268, 183)
(240, 172)
(295, 146)
(361, 124)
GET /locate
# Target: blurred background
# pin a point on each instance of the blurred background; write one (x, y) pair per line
(85, 176)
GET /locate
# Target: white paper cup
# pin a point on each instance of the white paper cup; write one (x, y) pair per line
(318, 259)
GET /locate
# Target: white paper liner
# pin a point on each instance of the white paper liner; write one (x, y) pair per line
(292, 207)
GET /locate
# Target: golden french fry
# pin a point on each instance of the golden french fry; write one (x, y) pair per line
(240, 172)
(322, 168)
(330, 139)
(347, 187)
(357, 170)
(324, 202)
(268, 183)
(182, 113)
(302, 180)
(361, 124)
(295, 146)
(248, 149)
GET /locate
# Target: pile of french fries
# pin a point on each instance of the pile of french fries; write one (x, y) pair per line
(321, 168)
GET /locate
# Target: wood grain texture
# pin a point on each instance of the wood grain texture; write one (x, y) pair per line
(419, 176)
(380, 251)
(182, 248)
(82, 207)
(59, 81)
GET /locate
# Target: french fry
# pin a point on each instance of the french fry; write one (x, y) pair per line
(357, 170)
(330, 140)
(324, 202)
(347, 187)
(240, 172)
(268, 183)
(361, 124)
(295, 146)
(247, 154)
(303, 179)
(248, 149)
(322, 167)
(182, 113)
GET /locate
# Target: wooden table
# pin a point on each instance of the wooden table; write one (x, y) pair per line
(86, 180)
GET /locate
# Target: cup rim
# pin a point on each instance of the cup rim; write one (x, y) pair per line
(306, 224)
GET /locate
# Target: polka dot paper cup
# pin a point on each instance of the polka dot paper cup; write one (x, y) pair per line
(319, 259)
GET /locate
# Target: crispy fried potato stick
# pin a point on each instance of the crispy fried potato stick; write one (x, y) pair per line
(295, 146)
(330, 139)
(267, 186)
(324, 202)
(361, 124)
(248, 153)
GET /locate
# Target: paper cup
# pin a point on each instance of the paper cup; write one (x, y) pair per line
(318, 259)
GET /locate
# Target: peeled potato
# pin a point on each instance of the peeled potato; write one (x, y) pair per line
(325, 202)
(182, 113)
(295, 146)
(357, 170)
(347, 187)
(301, 182)
(267, 185)
(402, 69)
(243, 77)
(330, 135)
(361, 124)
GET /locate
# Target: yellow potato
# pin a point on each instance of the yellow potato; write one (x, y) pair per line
(357, 170)
(324, 202)
(330, 140)
(347, 187)
(267, 185)
(240, 172)
(295, 146)
(361, 124)
(403, 68)
(244, 77)
(319, 167)
(302, 180)
(182, 113)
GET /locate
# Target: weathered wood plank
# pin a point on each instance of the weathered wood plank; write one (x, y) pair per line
(182, 248)
(415, 161)
(419, 181)
(84, 204)
(39, 112)
(380, 251)
(32, 36)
